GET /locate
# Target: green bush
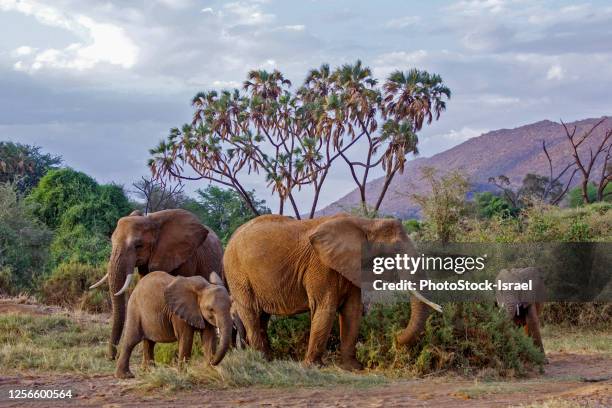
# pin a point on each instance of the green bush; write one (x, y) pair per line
(80, 245)
(59, 190)
(24, 243)
(68, 286)
(467, 339)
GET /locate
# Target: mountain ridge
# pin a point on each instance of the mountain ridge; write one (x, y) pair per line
(487, 155)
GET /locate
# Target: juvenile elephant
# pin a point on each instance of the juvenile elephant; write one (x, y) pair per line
(282, 266)
(164, 309)
(168, 240)
(523, 307)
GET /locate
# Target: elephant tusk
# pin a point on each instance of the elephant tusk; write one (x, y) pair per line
(101, 281)
(128, 280)
(429, 303)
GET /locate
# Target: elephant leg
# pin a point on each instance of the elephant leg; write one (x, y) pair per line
(322, 319)
(185, 341)
(256, 325)
(533, 326)
(209, 341)
(131, 338)
(148, 353)
(350, 317)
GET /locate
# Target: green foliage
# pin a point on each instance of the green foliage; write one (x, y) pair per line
(543, 223)
(289, 336)
(79, 244)
(68, 286)
(412, 226)
(24, 165)
(445, 206)
(223, 210)
(465, 339)
(575, 195)
(490, 205)
(58, 191)
(82, 212)
(23, 243)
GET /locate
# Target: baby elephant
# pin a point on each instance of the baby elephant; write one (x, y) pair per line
(164, 309)
(523, 306)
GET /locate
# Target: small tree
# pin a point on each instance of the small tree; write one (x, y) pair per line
(223, 210)
(446, 204)
(586, 166)
(24, 165)
(157, 196)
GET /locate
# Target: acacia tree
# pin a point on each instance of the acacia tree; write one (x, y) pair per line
(293, 138)
(586, 166)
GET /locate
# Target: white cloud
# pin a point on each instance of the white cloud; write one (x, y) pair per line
(103, 42)
(555, 72)
(23, 50)
(385, 63)
(207, 10)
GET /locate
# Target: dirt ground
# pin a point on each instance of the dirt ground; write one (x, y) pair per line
(584, 379)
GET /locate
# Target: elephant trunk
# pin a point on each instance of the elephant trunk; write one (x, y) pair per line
(419, 312)
(119, 266)
(225, 328)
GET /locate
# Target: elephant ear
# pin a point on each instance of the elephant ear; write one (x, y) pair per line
(180, 234)
(338, 243)
(181, 296)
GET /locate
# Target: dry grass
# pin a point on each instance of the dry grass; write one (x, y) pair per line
(244, 368)
(565, 339)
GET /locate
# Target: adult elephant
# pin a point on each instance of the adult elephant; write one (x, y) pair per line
(282, 266)
(170, 240)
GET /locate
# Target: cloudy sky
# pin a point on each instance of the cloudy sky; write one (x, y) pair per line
(100, 82)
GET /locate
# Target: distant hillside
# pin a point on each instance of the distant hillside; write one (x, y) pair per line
(511, 152)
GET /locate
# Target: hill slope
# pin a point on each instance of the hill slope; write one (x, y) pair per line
(511, 152)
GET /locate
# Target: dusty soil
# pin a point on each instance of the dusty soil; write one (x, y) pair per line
(581, 378)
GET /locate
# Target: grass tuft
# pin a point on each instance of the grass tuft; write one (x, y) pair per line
(244, 368)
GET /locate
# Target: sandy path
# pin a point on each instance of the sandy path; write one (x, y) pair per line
(581, 378)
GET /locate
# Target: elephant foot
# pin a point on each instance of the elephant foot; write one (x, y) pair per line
(123, 374)
(351, 364)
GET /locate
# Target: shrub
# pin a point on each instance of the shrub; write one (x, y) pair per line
(79, 245)
(467, 340)
(68, 286)
(289, 337)
(24, 243)
(7, 286)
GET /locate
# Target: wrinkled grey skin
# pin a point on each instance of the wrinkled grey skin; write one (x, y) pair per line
(523, 307)
(164, 309)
